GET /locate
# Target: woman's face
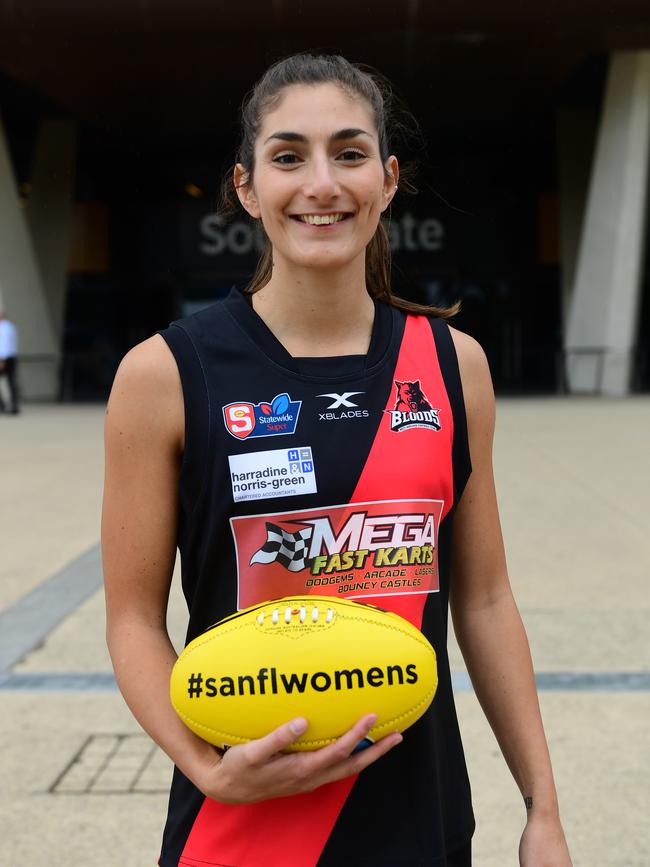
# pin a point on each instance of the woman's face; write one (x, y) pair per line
(319, 184)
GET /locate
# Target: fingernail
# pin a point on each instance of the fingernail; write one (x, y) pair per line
(298, 726)
(398, 739)
(371, 720)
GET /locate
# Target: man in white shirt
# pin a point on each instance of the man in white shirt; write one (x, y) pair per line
(8, 352)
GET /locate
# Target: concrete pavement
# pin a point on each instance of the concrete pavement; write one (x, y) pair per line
(81, 785)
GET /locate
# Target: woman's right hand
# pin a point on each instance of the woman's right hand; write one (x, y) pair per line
(260, 770)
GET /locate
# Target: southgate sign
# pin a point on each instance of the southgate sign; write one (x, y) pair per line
(408, 234)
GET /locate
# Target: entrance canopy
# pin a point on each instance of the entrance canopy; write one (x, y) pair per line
(160, 65)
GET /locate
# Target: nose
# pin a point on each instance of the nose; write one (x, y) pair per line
(321, 182)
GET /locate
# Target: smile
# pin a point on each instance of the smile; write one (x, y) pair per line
(320, 219)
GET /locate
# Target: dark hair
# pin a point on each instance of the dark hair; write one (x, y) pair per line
(390, 117)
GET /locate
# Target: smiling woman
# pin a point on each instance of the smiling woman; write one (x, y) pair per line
(285, 93)
(382, 417)
(319, 191)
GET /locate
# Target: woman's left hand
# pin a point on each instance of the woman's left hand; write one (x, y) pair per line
(543, 844)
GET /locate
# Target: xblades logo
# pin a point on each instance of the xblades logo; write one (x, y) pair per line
(342, 400)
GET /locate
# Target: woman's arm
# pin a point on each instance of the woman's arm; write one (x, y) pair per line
(489, 629)
(144, 443)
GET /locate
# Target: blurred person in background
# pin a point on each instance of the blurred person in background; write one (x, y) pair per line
(8, 354)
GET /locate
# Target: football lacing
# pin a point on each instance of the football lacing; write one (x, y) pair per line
(289, 612)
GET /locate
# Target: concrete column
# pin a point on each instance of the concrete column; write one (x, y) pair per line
(49, 211)
(576, 135)
(21, 291)
(604, 308)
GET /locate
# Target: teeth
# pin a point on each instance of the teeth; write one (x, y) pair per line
(321, 219)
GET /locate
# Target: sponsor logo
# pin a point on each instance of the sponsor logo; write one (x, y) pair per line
(275, 473)
(412, 409)
(362, 540)
(342, 400)
(356, 550)
(250, 420)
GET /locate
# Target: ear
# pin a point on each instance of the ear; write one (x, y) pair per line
(245, 191)
(416, 384)
(391, 178)
(399, 384)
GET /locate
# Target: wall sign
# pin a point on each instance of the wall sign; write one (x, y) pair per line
(408, 234)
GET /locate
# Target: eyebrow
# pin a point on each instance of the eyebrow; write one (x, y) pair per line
(342, 134)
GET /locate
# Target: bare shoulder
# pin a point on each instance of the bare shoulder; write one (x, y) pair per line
(475, 377)
(148, 364)
(147, 396)
(471, 357)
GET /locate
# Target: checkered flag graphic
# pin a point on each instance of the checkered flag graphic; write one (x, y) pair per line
(289, 549)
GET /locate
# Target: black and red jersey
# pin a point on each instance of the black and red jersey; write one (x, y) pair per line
(332, 476)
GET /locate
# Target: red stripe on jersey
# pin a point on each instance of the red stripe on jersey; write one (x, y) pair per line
(282, 832)
(416, 461)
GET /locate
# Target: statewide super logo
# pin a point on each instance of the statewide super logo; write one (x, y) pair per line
(355, 550)
(412, 409)
(248, 420)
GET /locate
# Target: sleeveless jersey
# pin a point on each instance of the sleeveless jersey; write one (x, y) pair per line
(331, 476)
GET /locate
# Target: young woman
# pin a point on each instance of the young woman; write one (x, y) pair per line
(367, 400)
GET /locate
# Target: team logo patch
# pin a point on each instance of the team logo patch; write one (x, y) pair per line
(412, 409)
(354, 550)
(249, 420)
(275, 473)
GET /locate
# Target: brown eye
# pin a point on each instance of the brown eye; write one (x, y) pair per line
(285, 159)
(352, 155)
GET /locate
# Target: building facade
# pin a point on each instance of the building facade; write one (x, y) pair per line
(118, 123)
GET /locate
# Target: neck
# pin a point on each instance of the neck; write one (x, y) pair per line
(318, 312)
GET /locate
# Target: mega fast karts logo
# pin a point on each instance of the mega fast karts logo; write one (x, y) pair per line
(412, 409)
(363, 541)
(359, 549)
(249, 420)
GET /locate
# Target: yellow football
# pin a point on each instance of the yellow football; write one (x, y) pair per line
(328, 660)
